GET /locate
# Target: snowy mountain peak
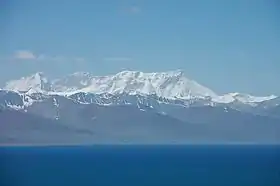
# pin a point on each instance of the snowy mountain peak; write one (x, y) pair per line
(248, 98)
(176, 73)
(37, 75)
(34, 83)
(243, 98)
(72, 82)
(127, 73)
(164, 84)
(81, 74)
(170, 84)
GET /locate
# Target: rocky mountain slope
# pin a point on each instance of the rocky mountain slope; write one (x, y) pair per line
(132, 107)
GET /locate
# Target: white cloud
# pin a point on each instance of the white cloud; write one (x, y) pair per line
(24, 54)
(117, 59)
(29, 55)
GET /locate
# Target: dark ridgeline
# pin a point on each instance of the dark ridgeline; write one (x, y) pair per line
(90, 118)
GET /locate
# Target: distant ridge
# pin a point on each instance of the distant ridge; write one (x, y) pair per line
(170, 84)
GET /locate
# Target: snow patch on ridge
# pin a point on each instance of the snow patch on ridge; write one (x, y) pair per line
(173, 85)
(244, 98)
(36, 83)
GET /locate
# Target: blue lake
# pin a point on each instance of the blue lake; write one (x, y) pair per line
(140, 166)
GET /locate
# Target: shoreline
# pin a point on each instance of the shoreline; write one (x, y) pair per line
(137, 144)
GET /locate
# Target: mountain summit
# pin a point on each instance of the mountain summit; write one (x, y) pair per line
(34, 83)
(134, 107)
(170, 84)
(164, 84)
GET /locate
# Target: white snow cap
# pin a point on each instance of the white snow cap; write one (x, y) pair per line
(166, 84)
(34, 83)
(170, 84)
(244, 98)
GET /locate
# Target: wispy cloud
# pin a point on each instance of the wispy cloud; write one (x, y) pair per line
(117, 59)
(24, 54)
(29, 55)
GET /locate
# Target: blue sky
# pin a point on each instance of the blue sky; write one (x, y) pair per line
(226, 45)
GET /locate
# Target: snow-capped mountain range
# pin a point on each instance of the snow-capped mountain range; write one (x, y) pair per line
(171, 85)
(132, 107)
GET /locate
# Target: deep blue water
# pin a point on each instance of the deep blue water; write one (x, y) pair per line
(140, 166)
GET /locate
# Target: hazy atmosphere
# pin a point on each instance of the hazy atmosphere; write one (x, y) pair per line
(229, 46)
(139, 92)
(139, 72)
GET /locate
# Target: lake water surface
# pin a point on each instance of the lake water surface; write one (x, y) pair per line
(140, 166)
